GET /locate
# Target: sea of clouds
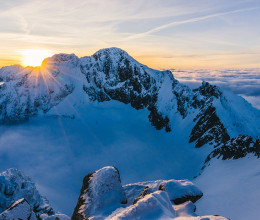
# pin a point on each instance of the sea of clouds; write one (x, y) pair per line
(244, 82)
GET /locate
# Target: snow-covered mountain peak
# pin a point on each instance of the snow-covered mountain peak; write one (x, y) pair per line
(112, 74)
(61, 58)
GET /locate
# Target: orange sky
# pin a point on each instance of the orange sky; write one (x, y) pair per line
(161, 34)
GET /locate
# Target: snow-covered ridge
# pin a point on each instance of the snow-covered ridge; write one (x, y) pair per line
(236, 148)
(15, 185)
(111, 74)
(103, 197)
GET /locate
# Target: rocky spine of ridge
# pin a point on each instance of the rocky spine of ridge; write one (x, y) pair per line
(238, 147)
(208, 127)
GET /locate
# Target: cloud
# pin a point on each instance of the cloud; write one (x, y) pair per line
(243, 82)
(187, 21)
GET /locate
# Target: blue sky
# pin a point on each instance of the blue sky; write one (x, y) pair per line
(161, 34)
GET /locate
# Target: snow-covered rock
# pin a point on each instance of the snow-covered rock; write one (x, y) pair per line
(186, 211)
(54, 217)
(101, 193)
(153, 206)
(179, 191)
(18, 210)
(102, 197)
(157, 206)
(15, 185)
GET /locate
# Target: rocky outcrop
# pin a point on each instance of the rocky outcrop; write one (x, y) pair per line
(18, 210)
(179, 191)
(15, 185)
(102, 197)
(236, 148)
(208, 128)
(101, 193)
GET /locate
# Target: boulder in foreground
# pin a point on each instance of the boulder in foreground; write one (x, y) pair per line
(101, 193)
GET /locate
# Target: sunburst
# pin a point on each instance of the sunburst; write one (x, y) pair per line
(34, 57)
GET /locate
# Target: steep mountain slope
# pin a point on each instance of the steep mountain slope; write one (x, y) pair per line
(230, 188)
(108, 109)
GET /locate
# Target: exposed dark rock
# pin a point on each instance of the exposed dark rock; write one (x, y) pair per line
(145, 192)
(208, 90)
(236, 148)
(208, 128)
(187, 198)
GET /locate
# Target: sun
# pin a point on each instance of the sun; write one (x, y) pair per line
(34, 57)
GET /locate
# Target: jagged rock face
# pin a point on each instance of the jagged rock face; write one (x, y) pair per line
(208, 128)
(113, 74)
(179, 191)
(14, 185)
(236, 148)
(101, 193)
(18, 210)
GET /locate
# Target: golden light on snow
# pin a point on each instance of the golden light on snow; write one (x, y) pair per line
(34, 57)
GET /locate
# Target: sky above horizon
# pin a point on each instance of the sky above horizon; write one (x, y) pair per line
(161, 34)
